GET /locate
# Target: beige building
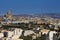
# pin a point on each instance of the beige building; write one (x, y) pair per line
(8, 15)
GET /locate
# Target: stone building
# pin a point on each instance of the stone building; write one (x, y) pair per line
(8, 16)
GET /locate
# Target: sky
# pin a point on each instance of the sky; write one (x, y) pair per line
(29, 6)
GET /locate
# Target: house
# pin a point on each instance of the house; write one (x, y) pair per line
(1, 35)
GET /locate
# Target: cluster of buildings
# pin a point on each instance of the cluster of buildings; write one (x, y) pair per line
(11, 34)
(38, 28)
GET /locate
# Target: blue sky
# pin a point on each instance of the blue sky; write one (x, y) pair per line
(30, 6)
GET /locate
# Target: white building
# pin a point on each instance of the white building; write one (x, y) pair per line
(1, 35)
(16, 37)
(28, 32)
(10, 33)
(18, 31)
(20, 22)
(51, 34)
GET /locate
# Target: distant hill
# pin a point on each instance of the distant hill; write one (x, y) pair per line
(53, 15)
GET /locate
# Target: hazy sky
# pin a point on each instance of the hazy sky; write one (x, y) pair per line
(29, 6)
